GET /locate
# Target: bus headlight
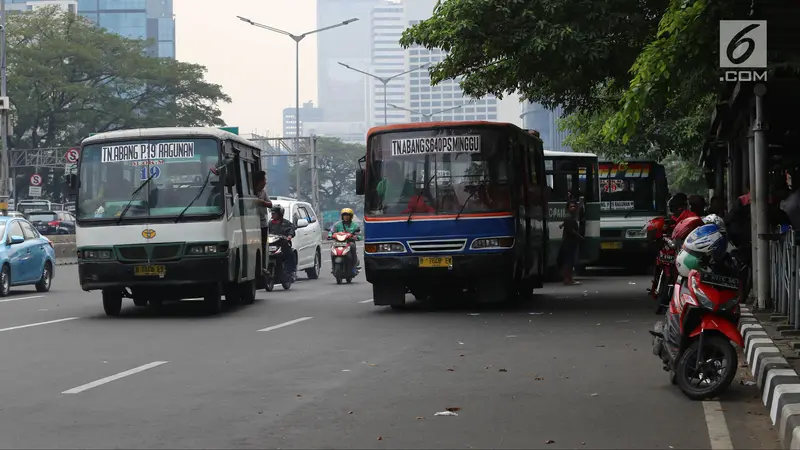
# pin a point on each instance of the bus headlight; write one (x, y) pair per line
(635, 234)
(492, 243)
(207, 249)
(95, 254)
(387, 247)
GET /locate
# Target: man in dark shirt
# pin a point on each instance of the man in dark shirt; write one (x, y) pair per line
(279, 226)
(570, 240)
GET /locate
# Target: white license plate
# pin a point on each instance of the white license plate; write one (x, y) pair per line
(273, 248)
(340, 244)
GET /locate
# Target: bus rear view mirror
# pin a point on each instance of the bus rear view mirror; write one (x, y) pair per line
(360, 188)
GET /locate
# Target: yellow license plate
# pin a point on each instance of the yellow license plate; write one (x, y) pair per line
(435, 261)
(611, 245)
(149, 271)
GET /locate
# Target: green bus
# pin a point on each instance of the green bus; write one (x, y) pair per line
(573, 176)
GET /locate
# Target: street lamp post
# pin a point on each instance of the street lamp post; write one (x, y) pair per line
(385, 81)
(4, 154)
(296, 38)
(427, 116)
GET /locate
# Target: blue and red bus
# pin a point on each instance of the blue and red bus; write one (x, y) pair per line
(450, 206)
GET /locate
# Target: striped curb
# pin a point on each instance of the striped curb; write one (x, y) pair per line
(778, 382)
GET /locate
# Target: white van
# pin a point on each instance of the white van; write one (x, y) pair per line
(167, 214)
(308, 242)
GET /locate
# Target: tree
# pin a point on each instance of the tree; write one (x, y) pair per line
(554, 52)
(337, 163)
(685, 175)
(68, 78)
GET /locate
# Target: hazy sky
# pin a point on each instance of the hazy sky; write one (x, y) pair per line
(255, 67)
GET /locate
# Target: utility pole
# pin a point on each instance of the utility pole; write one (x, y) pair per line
(4, 156)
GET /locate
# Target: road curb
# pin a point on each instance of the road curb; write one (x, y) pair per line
(778, 382)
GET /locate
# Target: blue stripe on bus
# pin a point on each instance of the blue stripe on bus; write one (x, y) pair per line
(438, 229)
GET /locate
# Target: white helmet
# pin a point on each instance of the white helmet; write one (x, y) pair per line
(716, 220)
(686, 262)
(707, 240)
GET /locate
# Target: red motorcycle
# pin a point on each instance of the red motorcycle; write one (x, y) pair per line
(671, 235)
(694, 340)
(344, 263)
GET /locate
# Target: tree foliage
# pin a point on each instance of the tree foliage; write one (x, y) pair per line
(685, 175)
(68, 78)
(337, 162)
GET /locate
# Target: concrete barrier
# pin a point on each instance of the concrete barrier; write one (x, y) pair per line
(64, 250)
(59, 238)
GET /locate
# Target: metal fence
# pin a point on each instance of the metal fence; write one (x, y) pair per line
(784, 257)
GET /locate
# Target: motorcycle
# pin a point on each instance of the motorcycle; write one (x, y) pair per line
(694, 339)
(343, 262)
(658, 231)
(276, 271)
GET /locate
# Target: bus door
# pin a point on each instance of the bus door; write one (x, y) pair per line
(569, 182)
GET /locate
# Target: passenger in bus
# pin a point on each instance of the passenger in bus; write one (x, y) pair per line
(263, 205)
(418, 205)
(394, 187)
(570, 242)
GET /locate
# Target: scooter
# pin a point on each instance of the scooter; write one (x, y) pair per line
(276, 272)
(343, 262)
(694, 340)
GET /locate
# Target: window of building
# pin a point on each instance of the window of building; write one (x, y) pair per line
(166, 29)
(426, 104)
(415, 97)
(87, 5)
(414, 89)
(123, 4)
(130, 25)
(493, 109)
(166, 49)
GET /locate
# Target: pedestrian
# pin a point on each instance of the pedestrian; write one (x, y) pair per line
(697, 204)
(716, 206)
(264, 204)
(570, 242)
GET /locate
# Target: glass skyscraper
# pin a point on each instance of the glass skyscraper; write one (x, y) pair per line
(545, 121)
(135, 19)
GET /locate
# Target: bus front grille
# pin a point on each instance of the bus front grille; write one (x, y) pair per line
(133, 253)
(161, 252)
(437, 246)
(612, 233)
(155, 252)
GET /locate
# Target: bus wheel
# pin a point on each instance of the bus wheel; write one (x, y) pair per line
(112, 302)
(138, 300)
(212, 301)
(247, 292)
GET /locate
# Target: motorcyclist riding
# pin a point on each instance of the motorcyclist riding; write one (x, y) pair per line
(346, 225)
(279, 226)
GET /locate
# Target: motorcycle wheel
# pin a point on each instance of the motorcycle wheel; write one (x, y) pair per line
(338, 280)
(715, 348)
(349, 280)
(673, 379)
(269, 282)
(286, 285)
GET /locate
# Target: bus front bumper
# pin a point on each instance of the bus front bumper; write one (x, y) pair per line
(187, 271)
(391, 268)
(612, 249)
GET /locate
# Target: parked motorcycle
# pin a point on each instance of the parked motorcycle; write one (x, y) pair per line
(658, 232)
(694, 339)
(666, 260)
(344, 263)
(276, 266)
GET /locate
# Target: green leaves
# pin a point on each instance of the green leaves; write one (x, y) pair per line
(337, 163)
(68, 78)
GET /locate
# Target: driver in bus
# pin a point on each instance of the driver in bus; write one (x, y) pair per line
(394, 186)
(114, 188)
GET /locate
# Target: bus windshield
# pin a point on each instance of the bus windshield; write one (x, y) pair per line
(627, 187)
(110, 172)
(438, 171)
(571, 178)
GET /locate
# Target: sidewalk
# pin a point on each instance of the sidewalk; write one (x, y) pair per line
(772, 356)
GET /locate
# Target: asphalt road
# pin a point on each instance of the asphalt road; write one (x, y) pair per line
(571, 369)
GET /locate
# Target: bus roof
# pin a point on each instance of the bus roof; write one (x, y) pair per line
(630, 160)
(166, 132)
(427, 125)
(575, 154)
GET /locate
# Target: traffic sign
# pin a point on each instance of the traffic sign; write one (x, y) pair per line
(234, 130)
(72, 155)
(35, 191)
(71, 168)
(36, 180)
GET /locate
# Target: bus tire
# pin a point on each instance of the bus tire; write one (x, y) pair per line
(112, 302)
(212, 301)
(247, 292)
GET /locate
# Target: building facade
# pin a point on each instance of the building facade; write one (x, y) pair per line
(308, 113)
(134, 19)
(387, 60)
(545, 121)
(342, 92)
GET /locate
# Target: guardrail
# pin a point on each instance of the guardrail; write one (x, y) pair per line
(784, 257)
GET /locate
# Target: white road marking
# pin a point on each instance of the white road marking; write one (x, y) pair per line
(286, 324)
(18, 327)
(20, 298)
(366, 301)
(718, 433)
(105, 380)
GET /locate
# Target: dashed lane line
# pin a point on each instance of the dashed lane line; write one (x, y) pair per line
(286, 324)
(102, 381)
(366, 301)
(19, 327)
(16, 299)
(718, 434)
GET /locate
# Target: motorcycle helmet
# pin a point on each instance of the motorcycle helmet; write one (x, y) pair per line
(277, 209)
(716, 220)
(707, 240)
(346, 211)
(686, 226)
(654, 228)
(677, 204)
(685, 262)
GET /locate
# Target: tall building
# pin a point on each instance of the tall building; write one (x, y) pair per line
(342, 92)
(31, 5)
(308, 113)
(135, 19)
(545, 121)
(388, 59)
